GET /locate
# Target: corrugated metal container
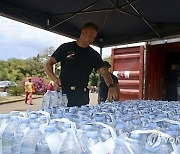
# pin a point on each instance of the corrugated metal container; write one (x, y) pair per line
(158, 58)
(128, 65)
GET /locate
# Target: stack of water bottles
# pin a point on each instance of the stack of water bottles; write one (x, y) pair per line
(128, 127)
(53, 100)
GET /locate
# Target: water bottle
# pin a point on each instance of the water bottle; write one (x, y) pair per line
(22, 129)
(33, 118)
(122, 146)
(65, 126)
(53, 101)
(30, 140)
(6, 118)
(136, 124)
(135, 142)
(64, 101)
(43, 145)
(120, 128)
(70, 144)
(58, 127)
(8, 134)
(83, 140)
(81, 123)
(45, 101)
(42, 119)
(94, 144)
(167, 146)
(1, 120)
(108, 141)
(69, 116)
(105, 134)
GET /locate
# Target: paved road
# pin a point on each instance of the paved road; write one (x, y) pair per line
(21, 106)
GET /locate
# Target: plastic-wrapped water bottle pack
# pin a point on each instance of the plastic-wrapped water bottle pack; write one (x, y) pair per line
(129, 127)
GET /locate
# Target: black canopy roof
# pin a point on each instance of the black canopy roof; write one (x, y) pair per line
(119, 21)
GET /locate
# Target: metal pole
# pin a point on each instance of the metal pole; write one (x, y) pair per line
(99, 75)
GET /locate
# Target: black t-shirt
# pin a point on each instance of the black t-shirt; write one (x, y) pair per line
(103, 88)
(76, 63)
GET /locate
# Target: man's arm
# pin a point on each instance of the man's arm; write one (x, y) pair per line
(49, 70)
(112, 91)
(118, 91)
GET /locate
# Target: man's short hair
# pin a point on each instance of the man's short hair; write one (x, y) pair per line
(91, 25)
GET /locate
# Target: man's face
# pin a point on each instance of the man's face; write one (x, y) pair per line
(89, 35)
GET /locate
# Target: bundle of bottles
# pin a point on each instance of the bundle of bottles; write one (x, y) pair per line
(128, 127)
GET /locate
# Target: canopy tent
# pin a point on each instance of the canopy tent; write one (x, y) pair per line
(119, 21)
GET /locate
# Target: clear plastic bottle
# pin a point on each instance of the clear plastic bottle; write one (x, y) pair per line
(53, 100)
(70, 144)
(33, 118)
(43, 144)
(1, 120)
(135, 143)
(83, 140)
(64, 101)
(121, 146)
(6, 118)
(120, 128)
(8, 134)
(45, 101)
(105, 134)
(30, 140)
(107, 139)
(22, 129)
(94, 143)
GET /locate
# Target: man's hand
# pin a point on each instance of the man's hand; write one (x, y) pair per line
(57, 84)
(112, 94)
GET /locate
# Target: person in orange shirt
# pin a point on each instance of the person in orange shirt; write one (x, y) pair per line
(29, 88)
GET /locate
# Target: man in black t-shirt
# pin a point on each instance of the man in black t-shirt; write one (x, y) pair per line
(78, 60)
(103, 88)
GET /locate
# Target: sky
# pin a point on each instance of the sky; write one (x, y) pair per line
(22, 41)
(18, 40)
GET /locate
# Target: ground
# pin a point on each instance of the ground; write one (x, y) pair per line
(8, 105)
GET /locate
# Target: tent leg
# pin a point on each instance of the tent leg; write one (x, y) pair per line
(99, 76)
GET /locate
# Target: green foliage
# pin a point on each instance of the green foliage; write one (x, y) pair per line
(18, 69)
(93, 78)
(16, 90)
(108, 59)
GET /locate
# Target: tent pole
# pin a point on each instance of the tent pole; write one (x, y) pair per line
(101, 51)
(99, 76)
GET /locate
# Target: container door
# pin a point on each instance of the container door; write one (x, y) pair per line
(127, 65)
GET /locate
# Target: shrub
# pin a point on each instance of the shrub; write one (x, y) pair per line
(39, 84)
(16, 90)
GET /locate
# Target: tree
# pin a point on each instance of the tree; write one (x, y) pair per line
(93, 78)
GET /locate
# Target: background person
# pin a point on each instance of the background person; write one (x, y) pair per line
(50, 86)
(103, 88)
(78, 60)
(29, 86)
(172, 78)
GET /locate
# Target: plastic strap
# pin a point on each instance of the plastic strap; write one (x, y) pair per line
(44, 113)
(73, 125)
(168, 120)
(113, 133)
(24, 114)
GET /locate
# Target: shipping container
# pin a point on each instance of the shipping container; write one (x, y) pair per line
(143, 71)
